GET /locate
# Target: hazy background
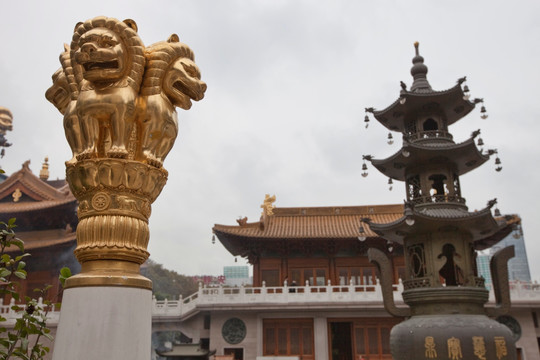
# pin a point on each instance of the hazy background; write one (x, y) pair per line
(288, 82)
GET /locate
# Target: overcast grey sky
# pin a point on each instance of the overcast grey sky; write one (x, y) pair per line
(288, 82)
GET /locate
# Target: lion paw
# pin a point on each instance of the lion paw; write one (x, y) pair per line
(72, 161)
(87, 154)
(151, 160)
(116, 152)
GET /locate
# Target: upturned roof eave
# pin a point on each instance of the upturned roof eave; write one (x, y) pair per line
(26, 207)
(396, 165)
(392, 117)
(37, 188)
(480, 224)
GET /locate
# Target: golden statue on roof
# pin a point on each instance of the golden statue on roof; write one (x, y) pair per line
(6, 120)
(267, 206)
(119, 100)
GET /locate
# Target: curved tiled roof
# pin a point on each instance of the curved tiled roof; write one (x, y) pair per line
(38, 195)
(314, 222)
(41, 239)
(29, 206)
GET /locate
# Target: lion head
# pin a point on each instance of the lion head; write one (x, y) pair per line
(108, 52)
(6, 120)
(58, 93)
(64, 87)
(171, 69)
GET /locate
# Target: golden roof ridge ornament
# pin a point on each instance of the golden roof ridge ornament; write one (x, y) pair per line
(44, 172)
(17, 195)
(267, 205)
(118, 99)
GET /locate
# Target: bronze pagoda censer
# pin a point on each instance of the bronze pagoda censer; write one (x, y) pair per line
(446, 317)
(118, 99)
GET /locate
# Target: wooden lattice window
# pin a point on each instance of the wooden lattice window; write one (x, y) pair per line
(357, 275)
(288, 337)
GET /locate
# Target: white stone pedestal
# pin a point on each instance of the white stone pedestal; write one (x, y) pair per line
(104, 323)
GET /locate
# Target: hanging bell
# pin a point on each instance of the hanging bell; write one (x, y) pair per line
(497, 212)
(466, 95)
(213, 239)
(480, 142)
(498, 169)
(390, 183)
(390, 139)
(483, 112)
(366, 121)
(497, 161)
(362, 233)
(364, 167)
(235, 260)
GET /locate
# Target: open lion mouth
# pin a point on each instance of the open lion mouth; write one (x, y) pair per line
(189, 91)
(92, 65)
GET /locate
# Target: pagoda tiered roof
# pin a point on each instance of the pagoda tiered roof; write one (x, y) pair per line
(450, 102)
(465, 156)
(481, 225)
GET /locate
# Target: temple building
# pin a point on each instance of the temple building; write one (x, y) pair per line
(313, 253)
(316, 293)
(46, 219)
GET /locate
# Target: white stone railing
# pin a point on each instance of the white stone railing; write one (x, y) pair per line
(261, 296)
(271, 295)
(11, 315)
(519, 292)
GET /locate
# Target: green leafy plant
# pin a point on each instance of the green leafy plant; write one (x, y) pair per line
(21, 338)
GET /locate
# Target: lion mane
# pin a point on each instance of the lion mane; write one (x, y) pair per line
(159, 122)
(106, 103)
(127, 30)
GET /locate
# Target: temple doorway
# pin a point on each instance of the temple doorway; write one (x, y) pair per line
(238, 353)
(341, 341)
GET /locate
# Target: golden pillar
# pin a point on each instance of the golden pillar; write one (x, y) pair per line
(119, 100)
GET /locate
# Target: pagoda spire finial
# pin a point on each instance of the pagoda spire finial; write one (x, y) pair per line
(44, 172)
(419, 72)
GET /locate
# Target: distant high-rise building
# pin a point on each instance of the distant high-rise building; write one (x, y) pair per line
(518, 266)
(482, 263)
(236, 275)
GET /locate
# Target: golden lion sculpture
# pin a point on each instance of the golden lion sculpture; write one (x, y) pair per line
(63, 95)
(109, 57)
(118, 98)
(171, 79)
(6, 120)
